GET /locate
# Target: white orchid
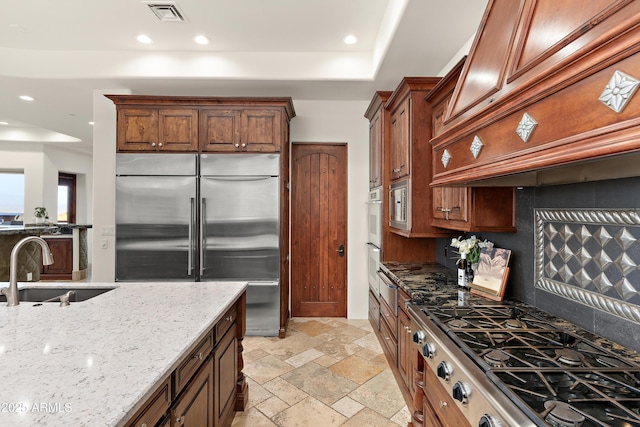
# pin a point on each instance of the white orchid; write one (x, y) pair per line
(470, 247)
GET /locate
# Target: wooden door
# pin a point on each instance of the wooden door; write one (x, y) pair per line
(319, 230)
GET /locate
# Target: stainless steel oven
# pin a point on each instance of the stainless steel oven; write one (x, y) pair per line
(374, 208)
(373, 261)
(400, 205)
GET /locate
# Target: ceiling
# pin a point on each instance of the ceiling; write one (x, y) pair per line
(60, 52)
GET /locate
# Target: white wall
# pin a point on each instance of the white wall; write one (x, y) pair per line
(41, 164)
(344, 121)
(315, 121)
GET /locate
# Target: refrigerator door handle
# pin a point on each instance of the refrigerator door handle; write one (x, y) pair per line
(190, 256)
(203, 246)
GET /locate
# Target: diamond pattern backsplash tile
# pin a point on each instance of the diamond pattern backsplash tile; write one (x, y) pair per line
(592, 257)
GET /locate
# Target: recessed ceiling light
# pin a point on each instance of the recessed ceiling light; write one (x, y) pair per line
(4, 123)
(203, 40)
(143, 38)
(26, 98)
(350, 39)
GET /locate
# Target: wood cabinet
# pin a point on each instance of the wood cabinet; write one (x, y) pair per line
(389, 331)
(377, 131)
(194, 407)
(490, 209)
(244, 130)
(208, 386)
(394, 247)
(440, 405)
(406, 353)
(62, 251)
(155, 409)
(202, 124)
(157, 129)
(407, 154)
(538, 96)
(374, 311)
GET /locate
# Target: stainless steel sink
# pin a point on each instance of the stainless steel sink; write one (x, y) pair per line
(45, 294)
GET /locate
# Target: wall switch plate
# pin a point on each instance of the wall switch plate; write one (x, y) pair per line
(108, 231)
(29, 276)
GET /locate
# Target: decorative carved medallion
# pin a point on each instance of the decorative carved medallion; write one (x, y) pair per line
(526, 126)
(619, 91)
(446, 156)
(476, 146)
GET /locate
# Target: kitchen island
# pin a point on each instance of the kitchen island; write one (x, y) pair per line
(96, 362)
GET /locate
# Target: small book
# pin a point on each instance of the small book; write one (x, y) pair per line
(490, 278)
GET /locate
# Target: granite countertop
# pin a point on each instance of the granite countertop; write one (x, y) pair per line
(432, 284)
(95, 362)
(38, 229)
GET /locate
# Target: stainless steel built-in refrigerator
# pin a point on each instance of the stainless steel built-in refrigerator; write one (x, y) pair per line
(209, 217)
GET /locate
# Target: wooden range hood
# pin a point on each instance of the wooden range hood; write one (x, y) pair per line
(546, 96)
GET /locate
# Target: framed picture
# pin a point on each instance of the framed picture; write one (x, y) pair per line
(490, 279)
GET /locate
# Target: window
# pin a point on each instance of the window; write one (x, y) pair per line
(66, 198)
(11, 195)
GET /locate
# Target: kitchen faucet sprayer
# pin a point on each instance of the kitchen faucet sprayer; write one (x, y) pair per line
(47, 259)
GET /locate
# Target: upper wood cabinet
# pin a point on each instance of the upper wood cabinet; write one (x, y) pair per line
(466, 208)
(156, 129)
(407, 155)
(377, 122)
(229, 130)
(202, 124)
(546, 84)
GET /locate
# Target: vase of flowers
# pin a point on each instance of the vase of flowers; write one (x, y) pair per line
(469, 252)
(41, 215)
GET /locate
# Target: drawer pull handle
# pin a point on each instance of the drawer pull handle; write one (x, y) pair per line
(229, 319)
(143, 425)
(198, 356)
(180, 420)
(443, 404)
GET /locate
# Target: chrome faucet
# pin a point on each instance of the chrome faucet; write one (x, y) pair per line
(47, 259)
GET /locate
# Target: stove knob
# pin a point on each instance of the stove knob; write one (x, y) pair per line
(444, 371)
(461, 392)
(429, 350)
(419, 337)
(489, 421)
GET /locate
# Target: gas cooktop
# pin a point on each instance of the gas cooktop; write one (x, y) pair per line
(556, 377)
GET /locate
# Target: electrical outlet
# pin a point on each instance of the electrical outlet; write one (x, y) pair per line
(29, 277)
(104, 244)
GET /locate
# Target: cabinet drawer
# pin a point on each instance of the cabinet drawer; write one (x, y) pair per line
(225, 323)
(188, 368)
(155, 408)
(389, 343)
(389, 318)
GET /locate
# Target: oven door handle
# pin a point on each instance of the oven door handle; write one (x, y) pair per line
(374, 248)
(386, 280)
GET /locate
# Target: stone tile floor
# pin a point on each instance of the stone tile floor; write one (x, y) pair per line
(327, 372)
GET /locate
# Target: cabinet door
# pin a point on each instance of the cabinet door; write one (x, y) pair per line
(155, 409)
(225, 374)
(137, 129)
(62, 267)
(178, 130)
(260, 131)
(405, 347)
(194, 408)
(375, 150)
(400, 144)
(429, 414)
(219, 130)
(450, 203)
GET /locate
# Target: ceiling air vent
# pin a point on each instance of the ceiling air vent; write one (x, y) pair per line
(166, 11)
